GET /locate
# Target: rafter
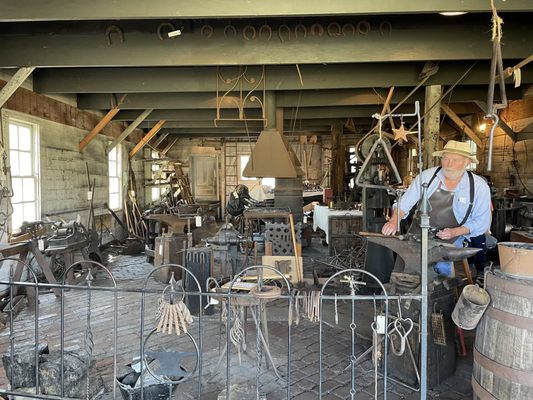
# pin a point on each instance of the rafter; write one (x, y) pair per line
(128, 130)
(427, 38)
(279, 77)
(461, 124)
(35, 10)
(14, 83)
(147, 138)
(296, 99)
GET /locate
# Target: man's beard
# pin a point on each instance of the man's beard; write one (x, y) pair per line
(453, 174)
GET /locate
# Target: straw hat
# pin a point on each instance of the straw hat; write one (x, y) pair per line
(456, 147)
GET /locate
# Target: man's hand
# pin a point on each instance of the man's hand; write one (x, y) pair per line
(389, 228)
(451, 233)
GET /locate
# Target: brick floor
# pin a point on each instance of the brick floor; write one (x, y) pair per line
(130, 271)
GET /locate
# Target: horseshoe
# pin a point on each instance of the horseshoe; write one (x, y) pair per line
(383, 25)
(116, 29)
(207, 31)
(266, 28)
(363, 27)
(349, 27)
(316, 30)
(282, 28)
(302, 28)
(245, 32)
(334, 29)
(162, 25)
(229, 28)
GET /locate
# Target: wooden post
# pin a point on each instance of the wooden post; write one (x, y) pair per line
(337, 161)
(431, 124)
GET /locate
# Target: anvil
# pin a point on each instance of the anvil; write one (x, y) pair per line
(408, 248)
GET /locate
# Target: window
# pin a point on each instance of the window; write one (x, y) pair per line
(473, 151)
(353, 166)
(24, 162)
(243, 160)
(115, 178)
(156, 177)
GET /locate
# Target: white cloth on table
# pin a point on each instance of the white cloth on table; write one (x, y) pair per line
(321, 217)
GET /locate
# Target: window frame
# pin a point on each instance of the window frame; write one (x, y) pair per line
(118, 170)
(34, 152)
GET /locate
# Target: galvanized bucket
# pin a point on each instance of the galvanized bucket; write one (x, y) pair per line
(470, 307)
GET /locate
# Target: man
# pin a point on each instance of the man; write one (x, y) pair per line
(460, 200)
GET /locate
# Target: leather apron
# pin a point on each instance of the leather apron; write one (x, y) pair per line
(441, 215)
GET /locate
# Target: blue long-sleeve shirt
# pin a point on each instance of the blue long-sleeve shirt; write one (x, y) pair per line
(479, 220)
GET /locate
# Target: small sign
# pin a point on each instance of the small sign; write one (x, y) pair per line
(380, 324)
(198, 220)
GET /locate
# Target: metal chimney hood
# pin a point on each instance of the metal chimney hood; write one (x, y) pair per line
(272, 157)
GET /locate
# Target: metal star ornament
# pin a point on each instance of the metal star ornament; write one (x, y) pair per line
(401, 133)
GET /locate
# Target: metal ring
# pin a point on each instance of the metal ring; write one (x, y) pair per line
(383, 25)
(284, 27)
(162, 25)
(334, 29)
(207, 31)
(363, 27)
(316, 30)
(228, 28)
(114, 28)
(350, 27)
(302, 28)
(251, 29)
(266, 28)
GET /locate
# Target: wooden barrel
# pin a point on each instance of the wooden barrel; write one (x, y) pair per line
(503, 353)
